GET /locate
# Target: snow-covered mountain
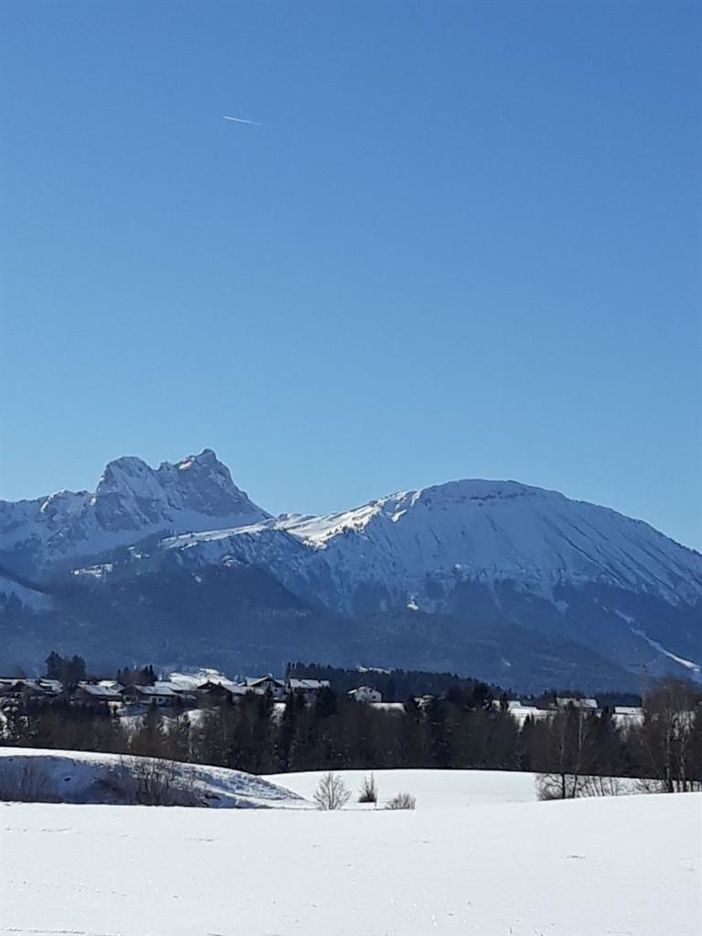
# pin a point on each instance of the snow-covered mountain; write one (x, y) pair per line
(412, 548)
(131, 501)
(495, 578)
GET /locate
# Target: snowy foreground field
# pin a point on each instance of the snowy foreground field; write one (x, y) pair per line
(477, 856)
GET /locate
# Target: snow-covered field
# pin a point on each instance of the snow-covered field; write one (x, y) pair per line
(477, 856)
(433, 789)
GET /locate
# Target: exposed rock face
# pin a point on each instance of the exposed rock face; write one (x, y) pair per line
(131, 501)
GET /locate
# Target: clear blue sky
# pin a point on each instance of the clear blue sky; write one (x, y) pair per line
(464, 242)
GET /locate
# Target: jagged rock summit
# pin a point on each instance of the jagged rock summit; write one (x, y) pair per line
(131, 501)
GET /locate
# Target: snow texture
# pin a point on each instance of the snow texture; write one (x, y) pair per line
(475, 857)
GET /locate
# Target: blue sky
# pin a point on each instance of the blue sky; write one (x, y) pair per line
(464, 242)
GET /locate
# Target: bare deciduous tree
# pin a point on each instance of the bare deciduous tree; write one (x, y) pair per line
(331, 792)
(671, 737)
(567, 753)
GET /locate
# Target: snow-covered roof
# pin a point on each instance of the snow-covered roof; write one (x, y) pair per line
(564, 701)
(522, 712)
(511, 704)
(36, 685)
(8, 686)
(98, 691)
(226, 685)
(308, 684)
(158, 689)
(259, 680)
(388, 706)
(197, 678)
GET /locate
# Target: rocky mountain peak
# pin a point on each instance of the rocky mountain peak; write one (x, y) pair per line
(131, 501)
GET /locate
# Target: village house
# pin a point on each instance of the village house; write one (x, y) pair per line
(510, 704)
(161, 694)
(10, 689)
(308, 688)
(52, 686)
(97, 694)
(588, 705)
(627, 715)
(365, 694)
(16, 689)
(216, 693)
(263, 684)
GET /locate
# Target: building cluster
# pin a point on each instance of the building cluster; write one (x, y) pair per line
(188, 694)
(623, 714)
(171, 694)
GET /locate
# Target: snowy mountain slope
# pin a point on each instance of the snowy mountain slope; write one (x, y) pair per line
(417, 544)
(12, 590)
(492, 578)
(131, 501)
(411, 549)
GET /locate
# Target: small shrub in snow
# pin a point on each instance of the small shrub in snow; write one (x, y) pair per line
(571, 786)
(601, 786)
(331, 792)
(554, 786)
(151, 781)
(369, 791)
(402, 801)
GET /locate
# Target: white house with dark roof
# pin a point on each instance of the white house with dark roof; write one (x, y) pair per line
(263, 684)
(366, 694)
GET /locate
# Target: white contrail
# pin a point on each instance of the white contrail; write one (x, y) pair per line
(241, 120)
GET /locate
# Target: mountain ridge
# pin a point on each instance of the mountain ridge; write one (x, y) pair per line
(131, 500)
(450, 575)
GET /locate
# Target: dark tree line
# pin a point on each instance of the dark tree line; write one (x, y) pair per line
(395, 685)
(462, 729)
(72, 670)
(138, 676)
(68, 670)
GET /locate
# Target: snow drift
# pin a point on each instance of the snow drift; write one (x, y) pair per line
(85, 777)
